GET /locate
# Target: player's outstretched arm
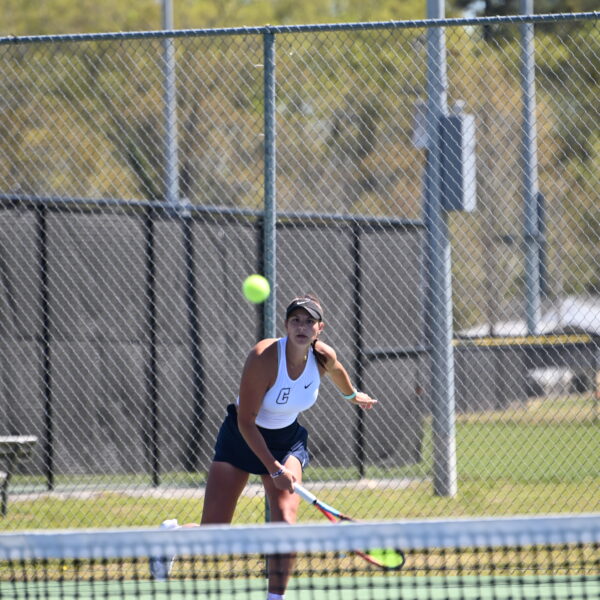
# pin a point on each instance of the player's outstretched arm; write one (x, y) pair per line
(340, 377)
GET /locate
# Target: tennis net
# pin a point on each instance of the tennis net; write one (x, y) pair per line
(499, 558)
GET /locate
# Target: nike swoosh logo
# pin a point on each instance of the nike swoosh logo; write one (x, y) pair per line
(308, 385)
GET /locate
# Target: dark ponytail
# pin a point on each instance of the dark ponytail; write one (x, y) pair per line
(321, 358)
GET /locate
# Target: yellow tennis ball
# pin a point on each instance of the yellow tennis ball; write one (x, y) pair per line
(256, 288)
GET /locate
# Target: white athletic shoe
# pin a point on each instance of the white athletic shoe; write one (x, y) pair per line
(160, 567)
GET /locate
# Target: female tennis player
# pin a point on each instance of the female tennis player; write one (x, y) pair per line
(261, 433)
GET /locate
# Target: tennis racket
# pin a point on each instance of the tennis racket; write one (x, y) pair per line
(389, 560)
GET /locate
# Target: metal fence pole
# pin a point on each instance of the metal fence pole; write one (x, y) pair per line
(46, 339)
(359, 366)
(439, 301)
(270, 207)
(530, 175)
(197, 425)
(150, 436)
(170, 90)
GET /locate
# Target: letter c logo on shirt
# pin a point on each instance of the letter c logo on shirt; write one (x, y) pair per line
(284, 396)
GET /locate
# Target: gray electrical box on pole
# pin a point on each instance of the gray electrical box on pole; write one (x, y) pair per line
(457, 150)
(457, 137)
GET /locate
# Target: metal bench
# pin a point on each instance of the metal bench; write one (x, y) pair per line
(13, 448)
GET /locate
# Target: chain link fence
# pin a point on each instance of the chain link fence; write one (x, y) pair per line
(123, 327)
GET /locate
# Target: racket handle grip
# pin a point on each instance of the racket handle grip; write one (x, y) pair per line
(304, 494)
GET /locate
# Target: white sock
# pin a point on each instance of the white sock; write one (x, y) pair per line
(271, 596)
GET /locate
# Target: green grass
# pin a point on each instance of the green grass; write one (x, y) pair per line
(543, 457)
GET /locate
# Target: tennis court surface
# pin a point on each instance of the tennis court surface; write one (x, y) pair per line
(500, 558)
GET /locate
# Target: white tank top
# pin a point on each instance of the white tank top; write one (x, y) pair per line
(288, 397)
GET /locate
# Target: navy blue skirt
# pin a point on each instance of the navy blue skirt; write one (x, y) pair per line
(231, 447)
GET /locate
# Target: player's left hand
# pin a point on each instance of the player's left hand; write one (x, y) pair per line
(364, 401)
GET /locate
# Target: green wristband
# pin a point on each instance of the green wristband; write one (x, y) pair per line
(350, 396)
